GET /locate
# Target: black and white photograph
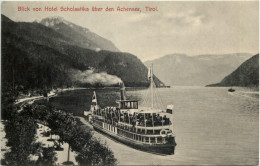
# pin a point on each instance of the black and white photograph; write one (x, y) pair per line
(129, 83)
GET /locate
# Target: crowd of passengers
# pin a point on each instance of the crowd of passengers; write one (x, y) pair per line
(114, 115)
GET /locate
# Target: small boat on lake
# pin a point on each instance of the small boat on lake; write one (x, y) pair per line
(231, 90)
(145, 128)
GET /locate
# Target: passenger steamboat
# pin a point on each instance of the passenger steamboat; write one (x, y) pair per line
(144, 128)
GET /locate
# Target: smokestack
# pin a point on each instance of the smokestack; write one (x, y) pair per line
(122, 90)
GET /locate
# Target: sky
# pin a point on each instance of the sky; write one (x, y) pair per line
(192, 28)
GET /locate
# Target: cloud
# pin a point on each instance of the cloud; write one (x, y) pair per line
(206, 27)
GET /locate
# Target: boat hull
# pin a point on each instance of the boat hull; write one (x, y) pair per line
(163, 149)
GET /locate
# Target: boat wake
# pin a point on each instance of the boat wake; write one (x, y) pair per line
(245, 94)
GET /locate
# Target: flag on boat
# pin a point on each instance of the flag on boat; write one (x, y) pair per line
(94, 99)
(169, 109)
(149, 73)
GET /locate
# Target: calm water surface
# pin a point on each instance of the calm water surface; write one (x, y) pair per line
(212, 125)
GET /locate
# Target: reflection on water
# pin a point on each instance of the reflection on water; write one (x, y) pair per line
(212, 125)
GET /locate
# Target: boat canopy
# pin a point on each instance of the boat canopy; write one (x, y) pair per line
(147, 110)
(143, 110)
(126, 100)
(130, 111)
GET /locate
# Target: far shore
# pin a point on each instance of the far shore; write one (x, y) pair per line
(53, 93)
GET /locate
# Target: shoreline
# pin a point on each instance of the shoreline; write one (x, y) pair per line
(61, 155)
(51, 94)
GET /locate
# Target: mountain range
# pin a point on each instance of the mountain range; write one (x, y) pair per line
(200, 70)
(42, 55)
(246, 75)
(83, 37)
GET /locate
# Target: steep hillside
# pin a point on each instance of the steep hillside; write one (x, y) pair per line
(246, 75)
(80, 35)
(180, 69)
(37, 57)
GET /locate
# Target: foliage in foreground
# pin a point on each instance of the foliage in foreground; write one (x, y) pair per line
(89, 150)
(20, 133)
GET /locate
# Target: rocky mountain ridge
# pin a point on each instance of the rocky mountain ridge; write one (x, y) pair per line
(246, 75)
(200, 70)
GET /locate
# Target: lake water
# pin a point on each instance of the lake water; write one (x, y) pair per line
(212, 125)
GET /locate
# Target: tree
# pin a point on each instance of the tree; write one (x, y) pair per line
(9, 95)
(95, 153)
(23, 126)
(47, 157)
(69, 133)
(20, 133)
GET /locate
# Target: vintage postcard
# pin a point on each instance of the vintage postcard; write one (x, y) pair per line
(129, 83)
